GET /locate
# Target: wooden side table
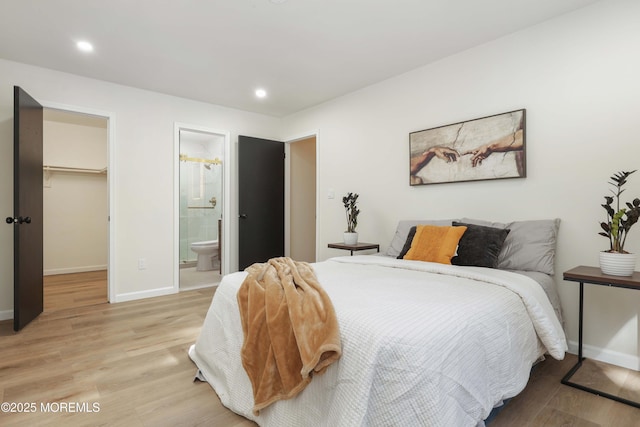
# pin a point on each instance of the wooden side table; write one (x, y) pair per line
(360, 246)
(594, 276)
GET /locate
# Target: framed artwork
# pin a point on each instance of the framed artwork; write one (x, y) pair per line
(491, 147)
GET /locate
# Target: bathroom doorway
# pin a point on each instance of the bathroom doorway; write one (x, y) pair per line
(201, 206)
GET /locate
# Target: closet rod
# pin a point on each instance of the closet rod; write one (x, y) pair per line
(48, 168)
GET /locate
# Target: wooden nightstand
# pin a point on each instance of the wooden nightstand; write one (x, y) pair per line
(360, 246)
(594, 276)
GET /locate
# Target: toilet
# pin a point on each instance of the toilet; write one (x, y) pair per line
(207, 251)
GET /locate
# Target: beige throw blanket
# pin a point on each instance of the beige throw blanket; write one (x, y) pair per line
(290, 329)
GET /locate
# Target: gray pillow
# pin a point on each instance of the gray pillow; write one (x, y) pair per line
(402, 231)
(529, 246)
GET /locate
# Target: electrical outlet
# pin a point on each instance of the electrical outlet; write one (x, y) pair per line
(142, 263)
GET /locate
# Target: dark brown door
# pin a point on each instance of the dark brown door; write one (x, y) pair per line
(261, 200)
(28, 214)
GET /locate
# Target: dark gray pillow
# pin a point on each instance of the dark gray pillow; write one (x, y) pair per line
(479, 245)
(407, 243)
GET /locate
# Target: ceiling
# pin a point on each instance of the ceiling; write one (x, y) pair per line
(302, 52)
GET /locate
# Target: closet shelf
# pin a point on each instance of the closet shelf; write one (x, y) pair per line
(49, 168)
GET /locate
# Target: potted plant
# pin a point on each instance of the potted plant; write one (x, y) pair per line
(350, 202)
(616, 261)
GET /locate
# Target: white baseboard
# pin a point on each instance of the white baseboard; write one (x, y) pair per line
(6, 314)
(624, 360)
(131, 296)
(68, 270)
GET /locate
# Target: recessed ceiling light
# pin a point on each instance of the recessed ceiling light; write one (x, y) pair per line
(84, 46)
(261, 93)
(277, 1)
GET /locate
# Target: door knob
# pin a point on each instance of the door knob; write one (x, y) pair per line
(243, 216)
(18, 220)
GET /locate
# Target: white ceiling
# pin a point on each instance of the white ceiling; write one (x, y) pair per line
(303, 52)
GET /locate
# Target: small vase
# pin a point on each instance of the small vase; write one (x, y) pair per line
(616, 264)
(350, 238)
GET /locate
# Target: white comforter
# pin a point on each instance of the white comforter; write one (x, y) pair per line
(423, 344)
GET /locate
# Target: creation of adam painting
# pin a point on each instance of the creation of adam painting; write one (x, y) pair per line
(491, 147)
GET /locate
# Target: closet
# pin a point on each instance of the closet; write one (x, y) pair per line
(75, 193)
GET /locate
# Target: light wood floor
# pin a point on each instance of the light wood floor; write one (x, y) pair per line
(74, 290)
(547, 403)
(131, 359)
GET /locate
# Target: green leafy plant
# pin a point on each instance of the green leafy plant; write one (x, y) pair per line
(619, 220)
(350, 205)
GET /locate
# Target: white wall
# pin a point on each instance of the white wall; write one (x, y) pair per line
(143, 159)
(578, 76)
(75, 204)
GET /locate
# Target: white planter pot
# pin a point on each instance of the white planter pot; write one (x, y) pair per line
(616, 264)
(350, 238)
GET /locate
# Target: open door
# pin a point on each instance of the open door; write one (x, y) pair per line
(28, 213)
(261, 200)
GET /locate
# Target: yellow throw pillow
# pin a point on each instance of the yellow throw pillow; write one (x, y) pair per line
(434, 243)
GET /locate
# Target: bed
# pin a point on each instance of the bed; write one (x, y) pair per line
(423, 343)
